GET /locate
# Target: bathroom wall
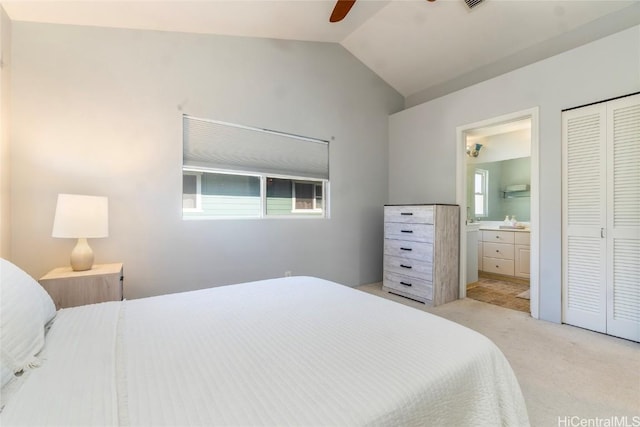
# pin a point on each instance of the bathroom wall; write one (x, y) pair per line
(502, 146)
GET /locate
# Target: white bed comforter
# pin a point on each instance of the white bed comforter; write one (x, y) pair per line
(294, 351)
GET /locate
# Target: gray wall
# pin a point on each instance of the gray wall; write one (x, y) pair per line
(99, 111)
(422, 146)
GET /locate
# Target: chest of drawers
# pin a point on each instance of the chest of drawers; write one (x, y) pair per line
(421, 252)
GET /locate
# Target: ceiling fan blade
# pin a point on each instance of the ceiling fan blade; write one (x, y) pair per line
(341, 9)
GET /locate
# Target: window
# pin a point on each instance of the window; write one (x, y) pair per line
(191, 191)
(223, 195)
(290, 196)
(307, 196)
(232, 171)
(480, 185)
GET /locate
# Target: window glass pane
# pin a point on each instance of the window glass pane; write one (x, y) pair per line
(225, 195)
(480, 189)
(189, 191)
(319, 204)
(478, 183)
(479, 204)
(279, 196)
(294, 197)
(279, 188)
(304, 195)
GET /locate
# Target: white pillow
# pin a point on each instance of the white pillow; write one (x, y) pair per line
(25, 309)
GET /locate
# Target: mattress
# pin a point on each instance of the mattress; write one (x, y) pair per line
(291, 351)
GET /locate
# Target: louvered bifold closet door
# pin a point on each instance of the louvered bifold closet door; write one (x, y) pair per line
(583, 217)
(623, 220)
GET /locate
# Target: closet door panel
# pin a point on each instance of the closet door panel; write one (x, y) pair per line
(623, 221)
(584, 220)
(623, 298)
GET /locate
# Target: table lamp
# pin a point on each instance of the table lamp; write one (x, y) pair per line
(81, 217)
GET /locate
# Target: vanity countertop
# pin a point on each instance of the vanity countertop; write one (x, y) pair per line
(497, 228)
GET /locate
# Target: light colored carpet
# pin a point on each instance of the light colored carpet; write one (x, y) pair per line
(563, 371)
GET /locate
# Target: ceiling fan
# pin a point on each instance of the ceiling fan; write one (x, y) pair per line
(343, 7)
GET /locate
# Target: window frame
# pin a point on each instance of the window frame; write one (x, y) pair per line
(484, 192)
(295, 214)
(314, 184)
(198, 175)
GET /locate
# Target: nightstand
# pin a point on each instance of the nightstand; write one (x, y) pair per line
(70, 288)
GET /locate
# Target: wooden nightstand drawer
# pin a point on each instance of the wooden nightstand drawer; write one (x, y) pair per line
(68, 288)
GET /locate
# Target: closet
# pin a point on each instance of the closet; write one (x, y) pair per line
(601, 217)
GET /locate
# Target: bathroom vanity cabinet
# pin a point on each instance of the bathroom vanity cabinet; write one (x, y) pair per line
(505, 252)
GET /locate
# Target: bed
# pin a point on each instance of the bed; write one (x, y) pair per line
(296, 351)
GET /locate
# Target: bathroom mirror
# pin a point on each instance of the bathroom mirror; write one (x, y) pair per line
(498, 171)
(506, 189)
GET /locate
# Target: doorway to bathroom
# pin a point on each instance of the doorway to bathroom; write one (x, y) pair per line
(497, 190)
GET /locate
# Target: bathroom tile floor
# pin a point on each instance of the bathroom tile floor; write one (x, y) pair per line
(499, 291)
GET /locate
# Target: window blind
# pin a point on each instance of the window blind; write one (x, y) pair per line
(218, 145)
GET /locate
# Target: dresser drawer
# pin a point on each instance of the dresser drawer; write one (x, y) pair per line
(498, 250)
(411, 214)
(497, 265)
(497, 236)
(421, 289)
(408, 250)
(408, 231)
(409, 267)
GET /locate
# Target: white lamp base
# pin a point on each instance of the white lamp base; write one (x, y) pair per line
(81, 256)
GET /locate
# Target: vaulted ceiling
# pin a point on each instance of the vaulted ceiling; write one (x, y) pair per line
(422, 49)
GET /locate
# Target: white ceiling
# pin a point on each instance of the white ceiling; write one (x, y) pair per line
(418, 47)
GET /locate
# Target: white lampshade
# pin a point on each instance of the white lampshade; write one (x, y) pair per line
(81, 217)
